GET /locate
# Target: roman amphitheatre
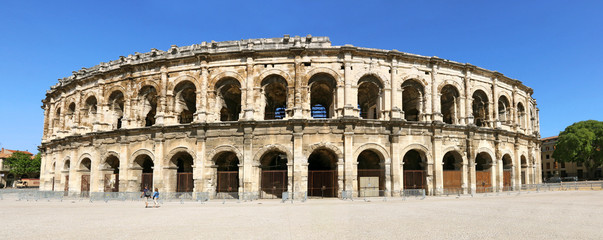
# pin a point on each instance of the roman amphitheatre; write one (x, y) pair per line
(288, 115)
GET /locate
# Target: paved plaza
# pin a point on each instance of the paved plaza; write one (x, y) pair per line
(544, 215)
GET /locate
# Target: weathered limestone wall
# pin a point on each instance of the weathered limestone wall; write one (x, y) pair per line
(87, 120)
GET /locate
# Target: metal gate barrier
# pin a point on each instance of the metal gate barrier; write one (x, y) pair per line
(273, 183)
(483, 181)
(414, 179)
(147, 181)
(322, 183)
(228, 184)
(185, 182)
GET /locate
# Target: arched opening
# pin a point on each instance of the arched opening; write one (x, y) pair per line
(412, 100)
(371, 174)
(453, 172)
(148, 104)
(275, 95)
(228, 173)
(66, 168)
(322, 89)
(369, 94)
(84, 169)
(480, 108)
(182, 166)
(483, 172)
(449, 103)
(322, 173)
(185, 102)
(524, 169)
(414, 170)
(229, 99)
(507, 170)
(144, 168)
(90, 109)
(111, 174)
(521, 115)
(273, 180)
(56, 121)
(532, 119)
(116, 106)
(504, 112)
(71, 115)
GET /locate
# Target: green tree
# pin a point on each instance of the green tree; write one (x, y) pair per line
(22, 163)
(581, 142)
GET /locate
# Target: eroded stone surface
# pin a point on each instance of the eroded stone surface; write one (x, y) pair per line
(295, 102)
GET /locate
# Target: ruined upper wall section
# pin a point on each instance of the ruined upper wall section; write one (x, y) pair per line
(249, 46)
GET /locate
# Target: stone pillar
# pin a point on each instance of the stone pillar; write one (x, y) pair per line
(199, 165)
(351, 100)
(500, 171)
(247, 168)
(395, 105)
(200, 114)
(426, 105)
(465, 181)
(298, 107)
(514, 110)
(128, 95)
(422, 109)
(351, 164)
(468, 98)
(213, 112)
(402, 116)
(435, 95)
(436, 143)
(396, 162)
(471, 160)
(124, 164)
(158, 163)
(517, 166)
(300, 163)
(496, 121)
(96, 173)
(462, 116)
(161, 102)
(494, 175)
(249, 100)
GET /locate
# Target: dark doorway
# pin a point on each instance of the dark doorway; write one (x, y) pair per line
(145, 162)
(111, 180)
(322, 173)
(184, 162)
(414, 170)
(228, 173)
(452, 174)
(507, 169)
(274, 174)
(483, 176)
(371, 174)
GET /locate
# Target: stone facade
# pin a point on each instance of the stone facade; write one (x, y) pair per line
(228, 113)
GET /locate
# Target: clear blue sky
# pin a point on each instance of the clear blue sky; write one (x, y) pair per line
(554, 47)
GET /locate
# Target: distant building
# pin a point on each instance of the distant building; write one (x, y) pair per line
(6, 178)
(552, 168)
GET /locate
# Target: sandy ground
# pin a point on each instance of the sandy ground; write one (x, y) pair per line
(544, 215)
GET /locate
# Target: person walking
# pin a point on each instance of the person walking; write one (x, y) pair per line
(155, 198)
(146, 193)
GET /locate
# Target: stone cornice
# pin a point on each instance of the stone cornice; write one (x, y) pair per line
(205, 50)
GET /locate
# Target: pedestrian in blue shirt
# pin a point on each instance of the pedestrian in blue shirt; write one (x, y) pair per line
(155, 197)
